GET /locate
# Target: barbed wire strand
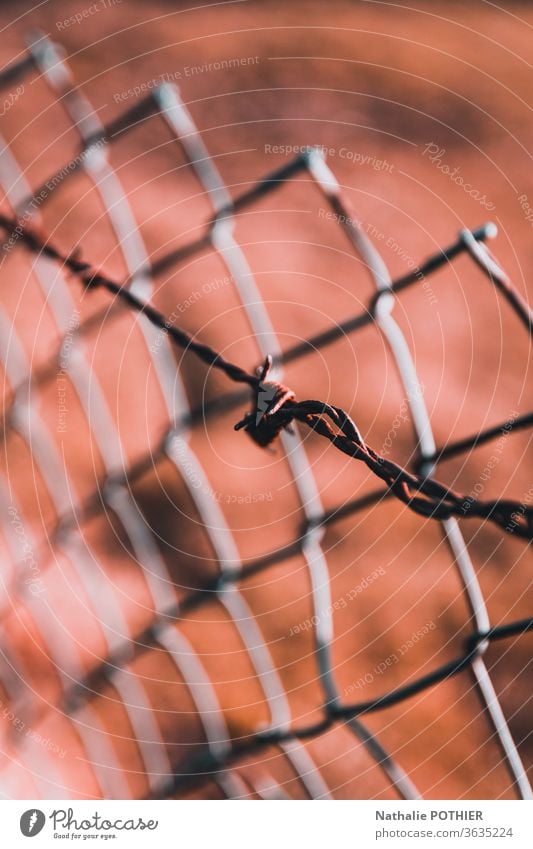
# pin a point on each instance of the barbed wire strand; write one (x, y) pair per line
(439, 502)
(327, 420)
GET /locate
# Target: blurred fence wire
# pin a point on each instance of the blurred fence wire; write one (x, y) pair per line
(272, 408)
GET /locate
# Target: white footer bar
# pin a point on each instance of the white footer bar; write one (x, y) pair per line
(265, 825)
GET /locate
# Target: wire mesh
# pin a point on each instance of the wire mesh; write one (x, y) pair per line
(273, 409)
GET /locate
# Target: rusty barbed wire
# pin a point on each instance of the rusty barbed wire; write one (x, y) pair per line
(281, 410)
(273, 409)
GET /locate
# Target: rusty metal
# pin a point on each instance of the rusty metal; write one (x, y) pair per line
(273, 409)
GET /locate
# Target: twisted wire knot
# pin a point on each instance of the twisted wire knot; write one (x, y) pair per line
(269, 416)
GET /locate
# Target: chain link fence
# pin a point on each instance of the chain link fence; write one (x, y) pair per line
(274, 416)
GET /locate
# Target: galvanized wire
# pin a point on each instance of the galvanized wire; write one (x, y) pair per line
(420, 491)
